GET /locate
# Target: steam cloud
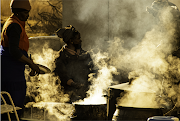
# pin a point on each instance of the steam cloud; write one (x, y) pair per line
(46, 89)
(124, 37)
(134, 41)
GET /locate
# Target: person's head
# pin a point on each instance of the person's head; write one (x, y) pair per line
(21, 8)
(76, 38)
(157, 7)
(70, 36)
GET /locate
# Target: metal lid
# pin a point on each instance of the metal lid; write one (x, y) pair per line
(163, 118)
(127, 87)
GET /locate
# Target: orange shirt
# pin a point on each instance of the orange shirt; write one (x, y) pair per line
(23, 42)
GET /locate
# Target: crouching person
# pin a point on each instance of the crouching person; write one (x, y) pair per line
(73, 64)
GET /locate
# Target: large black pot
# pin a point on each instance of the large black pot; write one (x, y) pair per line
(89, 112)
(135, 113)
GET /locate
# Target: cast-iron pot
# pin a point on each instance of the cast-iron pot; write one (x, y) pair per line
(137, 113)
(89, 112)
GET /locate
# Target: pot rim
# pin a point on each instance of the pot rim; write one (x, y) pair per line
(143, 108)
(78, 104)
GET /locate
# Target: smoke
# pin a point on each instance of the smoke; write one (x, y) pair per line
(100, 81)
(46, 88)
(121, 37)
(153, 66)
(55, 110)
(89, 8)
(102, 20)
(137, 43)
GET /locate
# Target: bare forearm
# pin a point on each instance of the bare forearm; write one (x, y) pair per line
(25, 60)
(29, 62)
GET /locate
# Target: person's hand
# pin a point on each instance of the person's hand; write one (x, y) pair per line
(77, 85)
(69, 82)
(35, 69)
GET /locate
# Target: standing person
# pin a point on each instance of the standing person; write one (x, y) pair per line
(14, 47)
(73, 64)
(157, 8)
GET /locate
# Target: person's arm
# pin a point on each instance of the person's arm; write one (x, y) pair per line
(13, 33)
(91, 64)
(29, 62)
(62, 72)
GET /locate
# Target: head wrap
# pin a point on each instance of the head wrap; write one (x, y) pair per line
(66, 33)
(22, 4)
(159, 5)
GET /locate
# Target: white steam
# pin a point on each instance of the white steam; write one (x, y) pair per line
(101, 82)
(49, 95)
(121, 31)
(135, 45)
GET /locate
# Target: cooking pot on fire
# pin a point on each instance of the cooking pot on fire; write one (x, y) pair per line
(118, 91)
(89, 112)
(135, 113)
